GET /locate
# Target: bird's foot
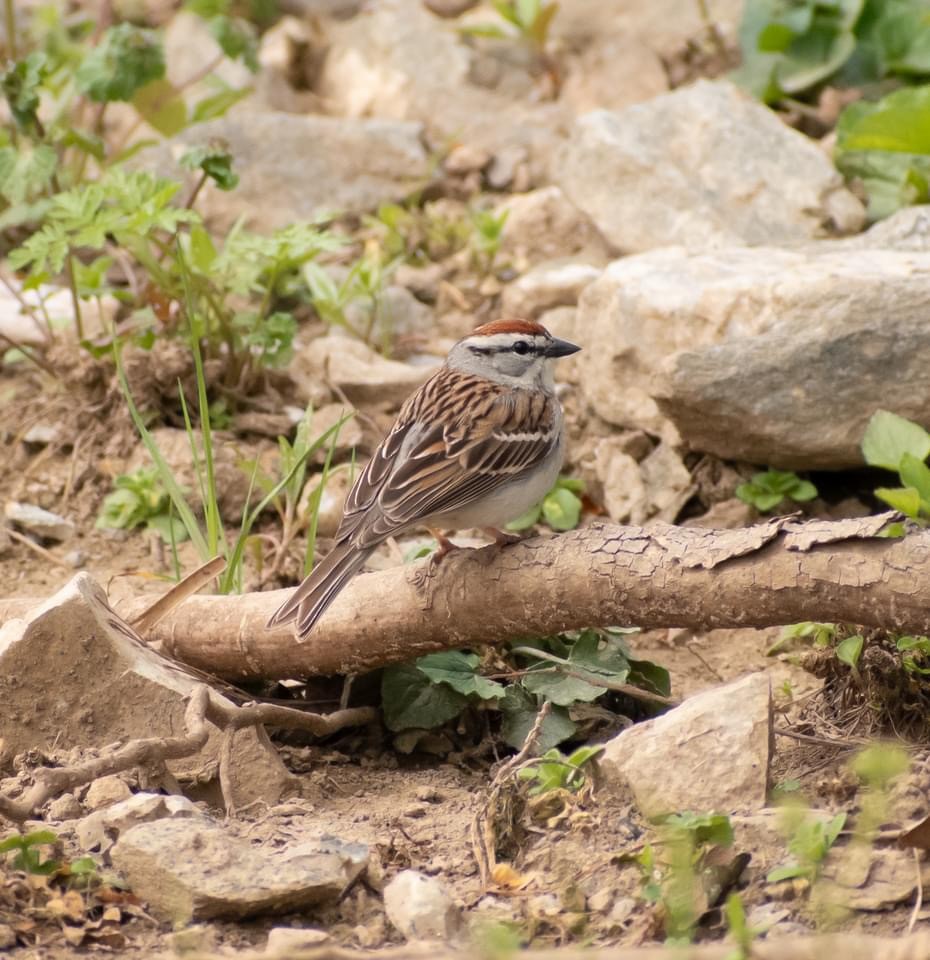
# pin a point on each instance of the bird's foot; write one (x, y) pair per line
(445, 546)
(503, 538)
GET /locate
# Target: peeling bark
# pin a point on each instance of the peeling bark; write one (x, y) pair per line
(780, 572)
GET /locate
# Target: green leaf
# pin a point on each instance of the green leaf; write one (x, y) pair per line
(889, 437)
(20, 84)
(561, 509)
(849, 651)
(237, 39)
(563, 690)
(519, 710)
(215, 160)
(217, 104)
(710, 828)
(458, 670)
(161, 106)
(788, 872)
(650, 676)
(125, 60)
(411, 700)
(904, 499)
(915, 473)
(527, 519)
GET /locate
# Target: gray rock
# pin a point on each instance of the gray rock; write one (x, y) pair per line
(40, 523)
(361, 374)
(547, 286)
(65, 807)
(110, 686)
(544, 225)
(295, 167)
(100, 830)
(106, 791)
(420, 908)
(287, 940)
(711, 753)
(702, 166)
(195, 870)
(772, 356)
(42, 434)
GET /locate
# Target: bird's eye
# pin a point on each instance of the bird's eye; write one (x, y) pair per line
(521, 347)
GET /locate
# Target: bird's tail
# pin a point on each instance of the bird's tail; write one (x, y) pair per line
(309, 601)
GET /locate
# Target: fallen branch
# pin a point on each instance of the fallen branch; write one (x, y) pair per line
(779, 572)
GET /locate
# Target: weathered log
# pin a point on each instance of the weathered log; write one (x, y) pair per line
(779, 572)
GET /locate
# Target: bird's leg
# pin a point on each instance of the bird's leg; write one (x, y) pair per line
(503, 538)
(445, 545)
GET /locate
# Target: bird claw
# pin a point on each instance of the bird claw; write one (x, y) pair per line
(503, 538)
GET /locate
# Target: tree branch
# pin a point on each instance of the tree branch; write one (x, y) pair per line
(779, 572)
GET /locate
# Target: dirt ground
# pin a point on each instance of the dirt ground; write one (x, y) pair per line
(413, 810)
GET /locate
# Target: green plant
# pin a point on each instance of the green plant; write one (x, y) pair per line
(486, 238)
(559, 509)
(139, 500)
(899, 445)
(767, 490)
(555, 771)
(810, 838)
(527, 21)
(676, 869)
(789, 47)
(565, 670)
(819, 635)
(734, 913)
(27, 853)
(915, 652)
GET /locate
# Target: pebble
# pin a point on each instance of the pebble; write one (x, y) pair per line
(420, 908)
(105, 792)
(65, 807)
(41, 523)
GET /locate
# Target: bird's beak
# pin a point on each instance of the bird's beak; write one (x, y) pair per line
(560, 348)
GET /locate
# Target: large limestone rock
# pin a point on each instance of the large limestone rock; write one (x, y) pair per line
(712, 753)
(295, 167)
(772, 356)
(702, 166)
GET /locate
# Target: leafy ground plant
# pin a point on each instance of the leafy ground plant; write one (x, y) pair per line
(790, 47)
(555, 771)
(565, 670)
(765, 491)
(139, 500)
(809, 839)
(894, 443)
(678, 870)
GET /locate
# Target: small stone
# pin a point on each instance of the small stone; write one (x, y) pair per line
(505, 166)
(547, 286)
(465, 159)
(622, 909)
(7, 936)
(429, 795)
(105, 792)
(449, 8)
(75, 559)
(100, 830)
(196, 870)
(420, 908)
(285, 940)
(710, 753)
(197, 938)
(65, 807)
(601, 900)
(416, 812)
(41, 434)
(39, 522)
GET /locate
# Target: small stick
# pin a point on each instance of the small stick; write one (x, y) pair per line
(178, 594)
(41, 551)
(919, 902)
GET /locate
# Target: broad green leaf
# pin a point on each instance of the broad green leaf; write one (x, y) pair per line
(561, 509)
(125, 60)
(21, 84)
(788, 872)
(458, 670)
(904, 499)
(161, 106)
(527, 519)
(410, 699)
(649, 675)
(888, 437)
(519, 710)
(915, 473)
(849, 651)
(563, 690)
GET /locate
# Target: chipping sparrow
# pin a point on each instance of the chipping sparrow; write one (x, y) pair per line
(478, 444)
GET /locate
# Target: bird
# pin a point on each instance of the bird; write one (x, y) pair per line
(477, 445)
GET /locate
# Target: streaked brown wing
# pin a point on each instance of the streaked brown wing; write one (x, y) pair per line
(481, 437)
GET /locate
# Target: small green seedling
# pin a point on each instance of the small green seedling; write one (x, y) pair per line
(765, 491)
(809, 840)
(140, 500)
(555, 771)
(487, 236)
(526, 21)
(559, 509)
(27, 852)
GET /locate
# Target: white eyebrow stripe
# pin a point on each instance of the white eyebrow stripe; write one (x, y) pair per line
(505, 340)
